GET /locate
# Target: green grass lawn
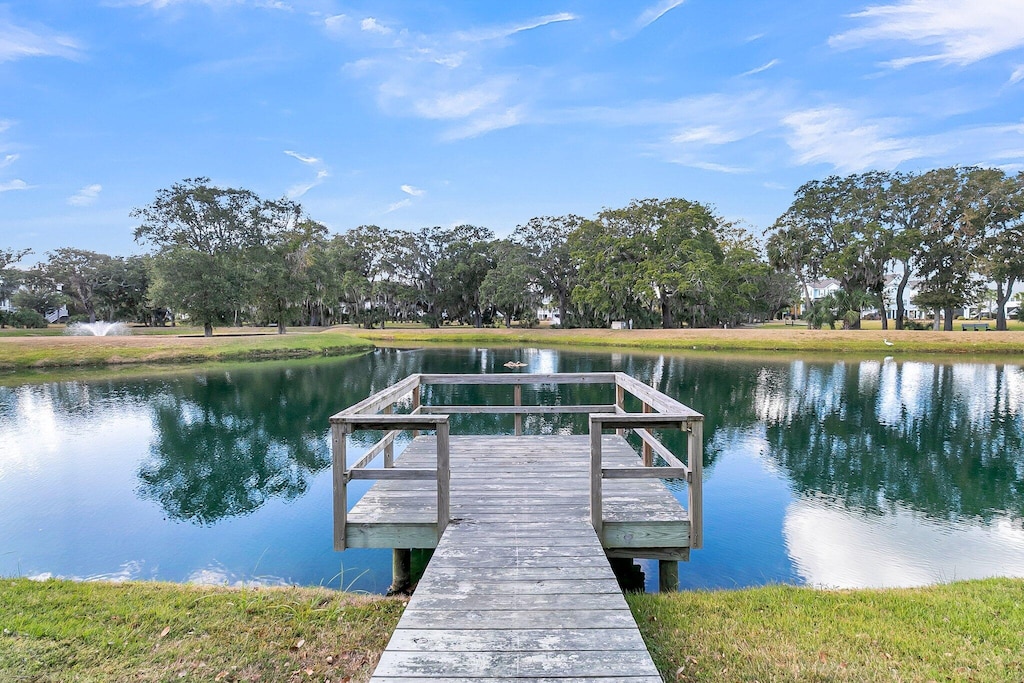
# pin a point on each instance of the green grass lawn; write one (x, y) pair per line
(64, 631)
(970, 631)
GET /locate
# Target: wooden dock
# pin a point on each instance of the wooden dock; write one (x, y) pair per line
(519, 585)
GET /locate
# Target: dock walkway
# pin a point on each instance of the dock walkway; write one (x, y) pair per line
(519, 585)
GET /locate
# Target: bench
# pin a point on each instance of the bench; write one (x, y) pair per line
(974, 327)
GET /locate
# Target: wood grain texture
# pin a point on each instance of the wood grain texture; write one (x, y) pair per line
(519, 586)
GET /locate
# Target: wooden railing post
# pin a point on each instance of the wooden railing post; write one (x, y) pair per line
(443, 478)
(695, 503)
(620, 402)
(389, 450)
(517, 392)
(415, 405)
(340, 477)
(596, 511)
(645, 448)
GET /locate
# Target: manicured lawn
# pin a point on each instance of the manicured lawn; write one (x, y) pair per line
(971, 631)
(64, 631)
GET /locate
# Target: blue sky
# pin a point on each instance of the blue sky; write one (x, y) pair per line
(425, 112)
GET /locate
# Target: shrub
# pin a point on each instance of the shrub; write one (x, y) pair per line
(27, 318)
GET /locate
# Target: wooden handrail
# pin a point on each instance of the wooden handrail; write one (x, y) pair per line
(659, 412)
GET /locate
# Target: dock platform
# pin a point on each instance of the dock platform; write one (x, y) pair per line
(520, 585)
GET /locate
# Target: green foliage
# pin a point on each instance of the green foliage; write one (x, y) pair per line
(26, 318)
(513, 285)
(79, 273)
(662, 262)
(37, 292)
(222, 249)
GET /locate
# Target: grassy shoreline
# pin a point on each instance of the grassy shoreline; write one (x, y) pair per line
(800, 340)
(70, 631)
(21, 353)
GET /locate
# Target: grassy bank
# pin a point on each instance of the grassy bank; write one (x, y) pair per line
(24, 353)
(60, 631)
(63, 631)
(970, 631)
(794, 339)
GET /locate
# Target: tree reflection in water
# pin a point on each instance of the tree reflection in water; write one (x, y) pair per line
(945, 440)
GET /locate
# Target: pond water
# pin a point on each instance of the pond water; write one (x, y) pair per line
(850, 473)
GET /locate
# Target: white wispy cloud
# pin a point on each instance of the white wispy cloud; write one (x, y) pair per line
(304, 159)
(1018, 74)
(16, 184)
(8, 160)
(837, 136)
(712, 166)
(298, 190)
(163, 4)
(448, 77)
(485, 124)
(19, 42)
(413, 191)
(398, 205)
(495, 33)
(86, 196)
(371, 25)
(763, 67)
(655, 12)
(953, 31)
(336, 22)
(322, 174)
(708, 135)
(460, 104)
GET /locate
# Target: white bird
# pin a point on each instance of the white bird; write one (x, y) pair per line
(887, 342)
(515, 364)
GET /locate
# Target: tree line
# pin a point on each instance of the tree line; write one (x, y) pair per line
(957, 230)
(227, 256)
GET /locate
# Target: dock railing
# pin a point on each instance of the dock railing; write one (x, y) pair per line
(659, 411)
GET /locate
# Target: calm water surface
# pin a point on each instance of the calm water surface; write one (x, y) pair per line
(851, 473)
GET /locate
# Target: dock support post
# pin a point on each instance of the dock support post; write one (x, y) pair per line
(443, 478)
(340, 480)
(596, 477)
(401, 570)
(668, 576)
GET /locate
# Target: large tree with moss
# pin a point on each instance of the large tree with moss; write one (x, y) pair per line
(212, 246)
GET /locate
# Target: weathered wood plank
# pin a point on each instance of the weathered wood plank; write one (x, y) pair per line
(521, 378)
(522, 640)
(515, 664)
(383, 398)
(488, 679)
(518, 410)
(518, 602)
(596, 619)
(517, 585)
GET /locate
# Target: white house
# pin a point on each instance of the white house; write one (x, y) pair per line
(910, 311)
